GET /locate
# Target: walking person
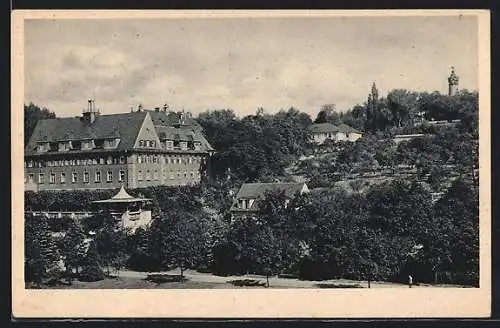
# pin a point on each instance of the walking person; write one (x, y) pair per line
(410, 281)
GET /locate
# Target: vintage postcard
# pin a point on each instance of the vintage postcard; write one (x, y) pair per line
(251, 164)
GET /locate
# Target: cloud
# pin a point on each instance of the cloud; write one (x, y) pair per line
(241, 63)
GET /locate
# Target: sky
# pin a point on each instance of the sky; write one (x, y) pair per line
(199, 64)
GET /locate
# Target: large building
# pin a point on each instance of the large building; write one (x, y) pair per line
(136, 149)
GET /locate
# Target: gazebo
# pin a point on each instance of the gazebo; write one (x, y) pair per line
(131, 211)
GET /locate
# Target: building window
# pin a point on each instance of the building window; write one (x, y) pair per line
(141, 143)
(171, 174)
(139, 159)
(109, 160)
(184, 145)
(109, 177)
(139, 176)
(101, 161)
(156, 177)
(97, 177)
(86, 177)
(122, 176)
(63, 177)
(192, 175)
(190, 160)
(74, 177)
(148, 175)
(95, 161)
(41, 178)
(155, 159)
(185, 175)
(178, 174)
(52, 178)
(170, 144)
(30, 178)
(122, 160)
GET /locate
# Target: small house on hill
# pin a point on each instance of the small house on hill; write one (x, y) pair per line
(248, 197)
(342, 132)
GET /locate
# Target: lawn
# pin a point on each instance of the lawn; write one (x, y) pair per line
(197, 280)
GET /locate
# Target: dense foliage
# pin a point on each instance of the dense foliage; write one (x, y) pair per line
(255, 147)
(370, 231)
(32, 114)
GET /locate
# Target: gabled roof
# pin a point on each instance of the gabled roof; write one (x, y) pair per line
(332, 128)
(125, 126)
(171, 118)
(258, 191)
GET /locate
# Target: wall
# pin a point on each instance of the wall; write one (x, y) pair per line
(79, 170)
(184, 172)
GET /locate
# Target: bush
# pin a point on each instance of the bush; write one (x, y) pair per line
(91, 270)
(164, 278)
(91, 273)
(143, 262)
(247, 283)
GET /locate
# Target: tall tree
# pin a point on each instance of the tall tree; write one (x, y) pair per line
(32, 114)
(41, 252)
(328, 114)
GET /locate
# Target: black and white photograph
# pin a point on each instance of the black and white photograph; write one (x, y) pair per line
(253, 153)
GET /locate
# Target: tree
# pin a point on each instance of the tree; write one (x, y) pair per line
(73, 248)
(457, 213)
(110, 245)
(32, 114)
(183, 243)
(266, 249)
(403, 105)
(41, 253)
(91, 269)
(327, 114)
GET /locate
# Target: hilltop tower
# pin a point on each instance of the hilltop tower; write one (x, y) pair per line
(452, 83)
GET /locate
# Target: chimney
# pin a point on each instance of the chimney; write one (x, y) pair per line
(91, 113)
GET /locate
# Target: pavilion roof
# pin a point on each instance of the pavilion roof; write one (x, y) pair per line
(122, 197)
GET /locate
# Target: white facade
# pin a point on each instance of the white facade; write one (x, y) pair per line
(320, 137)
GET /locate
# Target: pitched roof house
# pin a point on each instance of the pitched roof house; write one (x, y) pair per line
(251, 194)
(324, 131)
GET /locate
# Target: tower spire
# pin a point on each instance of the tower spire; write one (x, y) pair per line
(452, 82)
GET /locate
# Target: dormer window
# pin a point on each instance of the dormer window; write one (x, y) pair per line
(197, 145)
(111, 143)
(88, 144)
(65, 145)
(242, 203)
(183, 145)
(42, 147)
(170, 144)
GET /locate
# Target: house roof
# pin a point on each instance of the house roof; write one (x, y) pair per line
(258, 190)
(121, 197)
(172, 118)
(332, 128)
(125, 126)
